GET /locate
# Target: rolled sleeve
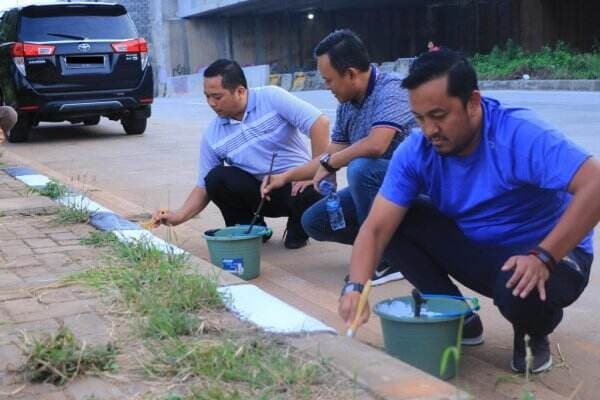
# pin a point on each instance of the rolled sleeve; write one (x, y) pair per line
(207, 161)
(393, 108)
(297, 112)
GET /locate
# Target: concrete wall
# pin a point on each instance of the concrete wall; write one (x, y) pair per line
(285, 40)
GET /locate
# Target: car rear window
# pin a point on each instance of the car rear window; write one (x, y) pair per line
(53, 23)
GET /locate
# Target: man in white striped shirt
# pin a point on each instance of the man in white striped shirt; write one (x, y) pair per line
(237, 148)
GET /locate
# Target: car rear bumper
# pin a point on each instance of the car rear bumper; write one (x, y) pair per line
(72, 105)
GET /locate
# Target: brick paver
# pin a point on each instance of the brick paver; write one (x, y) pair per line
(35, 254)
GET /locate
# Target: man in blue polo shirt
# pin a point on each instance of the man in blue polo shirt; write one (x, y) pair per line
(251, 126)
(508, 210)
(372, 119)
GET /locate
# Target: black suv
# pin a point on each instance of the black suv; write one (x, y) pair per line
(74, 62)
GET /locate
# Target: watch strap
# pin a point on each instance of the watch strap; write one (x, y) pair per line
(352, 287)
(544, 256)
(326, 165)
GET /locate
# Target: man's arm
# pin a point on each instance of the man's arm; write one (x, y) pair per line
(373, 237)
(319, 141)
(319, 136)
(374, 146)
(196, 201)
(581, 216)
(583, 212)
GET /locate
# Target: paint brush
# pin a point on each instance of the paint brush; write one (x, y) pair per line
(262, 200)
(149, 225)
(364, 296)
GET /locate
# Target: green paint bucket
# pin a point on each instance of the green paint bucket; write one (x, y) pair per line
(236, 251)
(421, 341)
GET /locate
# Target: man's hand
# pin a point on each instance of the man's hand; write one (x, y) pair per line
(298, 187)
(529, 272)
(164, 217)
(347, 309)
(321, 174)
(276, 181)
(2, 137)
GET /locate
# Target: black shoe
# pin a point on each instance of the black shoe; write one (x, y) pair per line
(540, 352)
(385, 273)
(294, 237)
(472, 331)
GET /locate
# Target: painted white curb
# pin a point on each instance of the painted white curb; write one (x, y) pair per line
(132, 236)
(253, 304)
(82, 202)
(33, 180)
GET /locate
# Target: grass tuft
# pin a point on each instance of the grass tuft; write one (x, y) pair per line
(53, 189)
(100, 239)
(60, 357)
(72, 214)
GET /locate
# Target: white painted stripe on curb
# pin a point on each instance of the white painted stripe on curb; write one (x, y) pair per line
(81, 202)
(137, 235)
(33, 180)
(253, 304)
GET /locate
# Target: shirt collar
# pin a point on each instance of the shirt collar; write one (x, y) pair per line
(249, 107)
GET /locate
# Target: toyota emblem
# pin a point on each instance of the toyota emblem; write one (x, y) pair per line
(84, 47)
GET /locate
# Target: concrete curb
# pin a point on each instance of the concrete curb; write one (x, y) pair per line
(384, 376)
(584, 85)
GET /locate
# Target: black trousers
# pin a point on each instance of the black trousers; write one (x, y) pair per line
(429, 249)
(237, 194)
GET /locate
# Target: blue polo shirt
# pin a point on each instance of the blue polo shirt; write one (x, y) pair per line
(510, 191)
(272, 123)
(385, 105)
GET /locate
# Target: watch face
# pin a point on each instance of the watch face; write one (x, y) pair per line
(325, 158)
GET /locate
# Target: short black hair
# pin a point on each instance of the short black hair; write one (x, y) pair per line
(462, 78)
(345, 50)
(231, 72)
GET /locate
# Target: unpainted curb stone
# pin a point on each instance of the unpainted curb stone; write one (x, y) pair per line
(32, 205)
(583, 85)
(383, 375)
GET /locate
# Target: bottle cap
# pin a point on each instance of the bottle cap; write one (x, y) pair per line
(326, 187)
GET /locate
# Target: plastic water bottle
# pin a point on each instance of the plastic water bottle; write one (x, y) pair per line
(333, 205)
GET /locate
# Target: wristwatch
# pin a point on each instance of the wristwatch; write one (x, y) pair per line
(324, 160)
(352, 287)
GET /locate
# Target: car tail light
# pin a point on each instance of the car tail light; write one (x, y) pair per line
(20, 51)
(134, 46)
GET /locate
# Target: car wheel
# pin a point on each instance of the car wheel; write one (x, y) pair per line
(20, 132)
(134, 126)
(91, 121)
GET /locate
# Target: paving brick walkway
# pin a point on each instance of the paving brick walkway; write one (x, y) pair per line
(35, 254)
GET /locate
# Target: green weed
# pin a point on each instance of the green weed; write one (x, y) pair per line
(53, 189)
(256, 361)
(100, 239)
(60, 357)
(72, 214)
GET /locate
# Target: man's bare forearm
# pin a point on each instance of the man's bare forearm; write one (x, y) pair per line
(196, 201)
